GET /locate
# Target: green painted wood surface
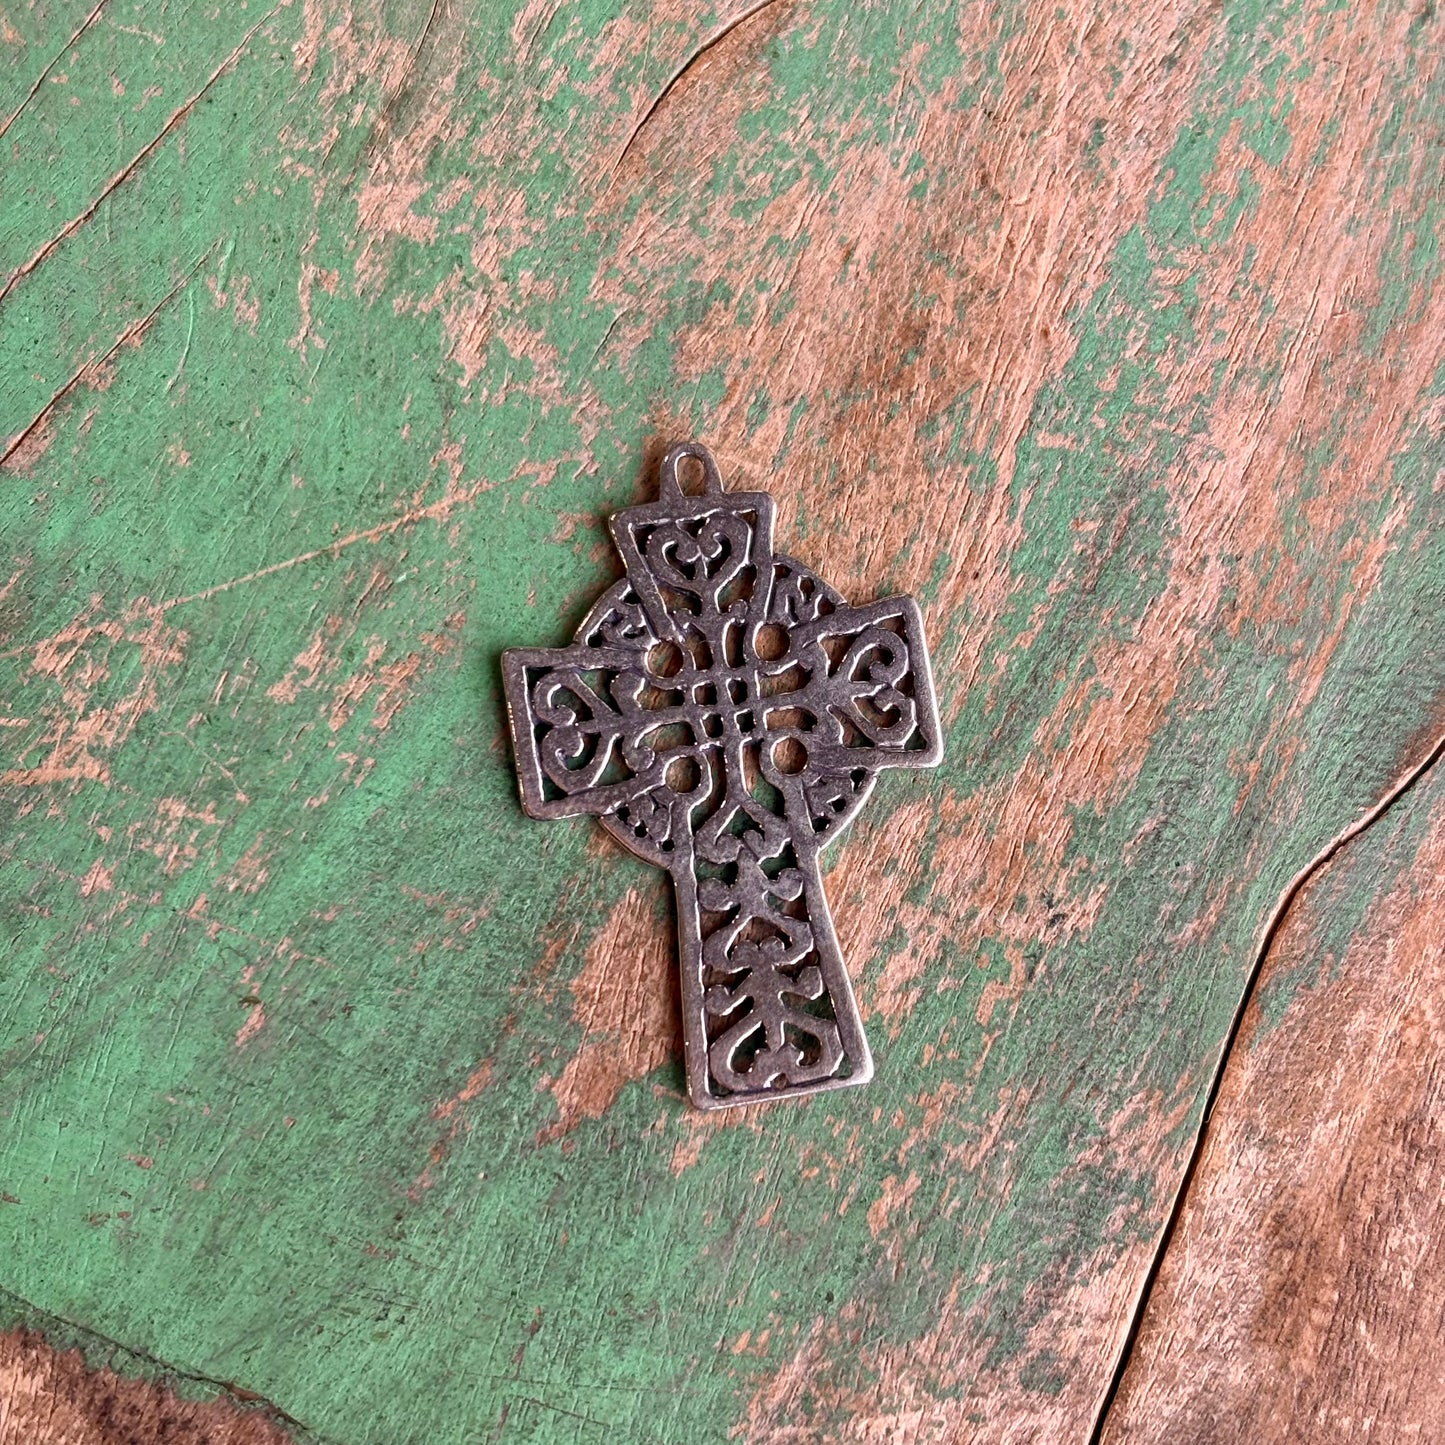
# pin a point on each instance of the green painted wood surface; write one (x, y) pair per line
(331, 334)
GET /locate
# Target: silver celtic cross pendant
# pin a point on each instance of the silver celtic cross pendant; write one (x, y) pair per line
(725, 712)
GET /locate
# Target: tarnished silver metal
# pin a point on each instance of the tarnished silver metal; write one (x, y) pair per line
(725, 712)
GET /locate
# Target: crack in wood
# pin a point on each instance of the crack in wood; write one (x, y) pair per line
(719, 35)
(1272, 928)
(54, 61)
(131, 334)
(391, 103)
(49, 248)
(51, 1327)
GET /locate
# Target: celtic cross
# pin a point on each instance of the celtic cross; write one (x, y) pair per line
(724, 713)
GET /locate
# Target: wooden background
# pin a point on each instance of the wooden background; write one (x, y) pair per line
(342, 1103)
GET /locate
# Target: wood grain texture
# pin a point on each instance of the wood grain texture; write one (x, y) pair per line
(1304, 1293)
(331, 335)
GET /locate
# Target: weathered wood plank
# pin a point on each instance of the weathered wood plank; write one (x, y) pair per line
(1302, 1296)
(1116, 332)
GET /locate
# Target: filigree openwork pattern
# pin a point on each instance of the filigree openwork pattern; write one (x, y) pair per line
(725, 712)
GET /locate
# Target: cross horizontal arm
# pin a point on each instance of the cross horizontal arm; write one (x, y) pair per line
(861, 688)
(584, 724)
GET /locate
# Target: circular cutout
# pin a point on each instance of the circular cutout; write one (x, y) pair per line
(682, 775)
(770, 642)
(789, 755)
(664, 659)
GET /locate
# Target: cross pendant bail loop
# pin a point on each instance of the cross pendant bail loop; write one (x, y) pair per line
(671, 479)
